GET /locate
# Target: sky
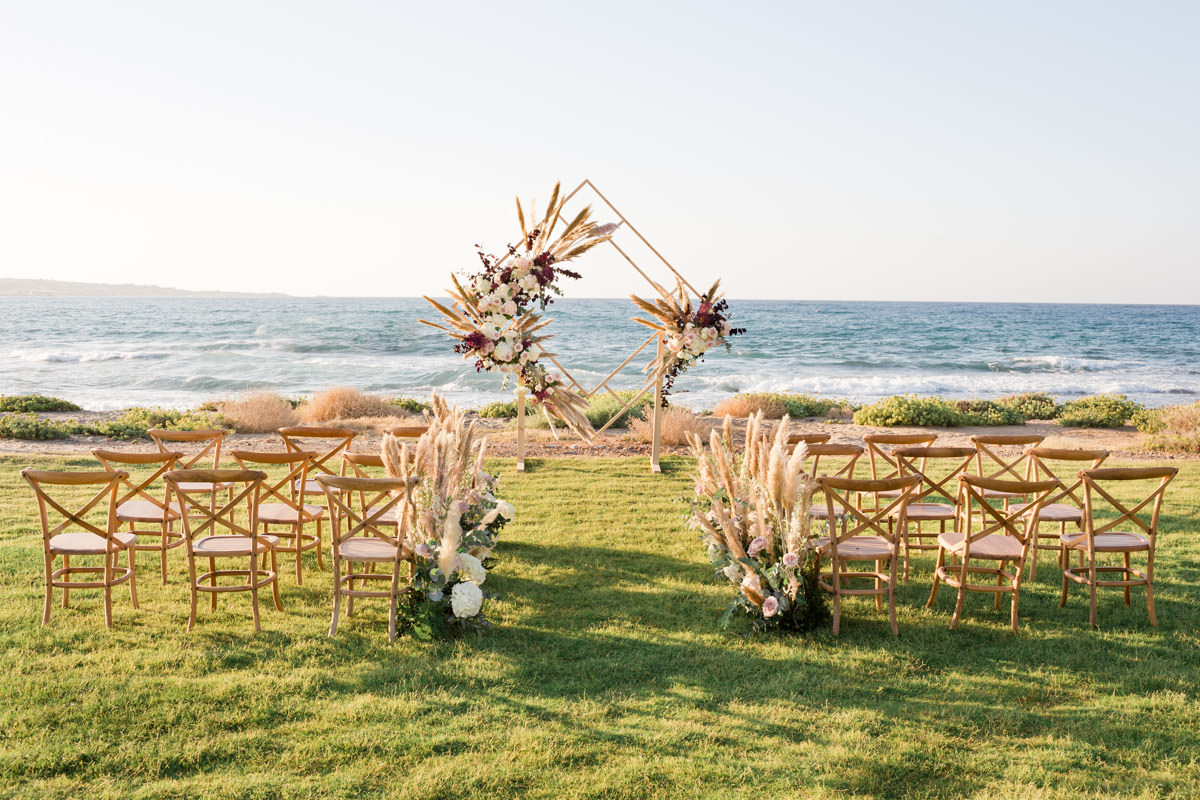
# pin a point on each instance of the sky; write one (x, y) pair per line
(842, 150)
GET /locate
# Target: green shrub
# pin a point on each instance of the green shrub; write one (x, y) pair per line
(909, 409)
(602, 407)
(989, 412)
(800, 406)
(410, 405)
(31, 426)
(505, 409)
(134, 422)
(1032, 405)
(1099, 411)
(35, 402)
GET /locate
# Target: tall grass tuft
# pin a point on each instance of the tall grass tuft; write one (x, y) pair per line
(342, 402)
(677, 424)
(258, 412)
(1174, 429)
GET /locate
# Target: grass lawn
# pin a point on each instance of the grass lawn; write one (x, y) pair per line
(605, 677)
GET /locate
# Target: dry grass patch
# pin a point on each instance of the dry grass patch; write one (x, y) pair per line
(1176, 428)
(743, 405)
(259, 412)
(677, 423)
(342, 402)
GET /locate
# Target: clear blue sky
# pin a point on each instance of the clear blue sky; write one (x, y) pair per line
(915, 150)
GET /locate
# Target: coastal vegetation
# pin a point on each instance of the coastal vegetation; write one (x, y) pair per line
(20, 403)
(606, 675)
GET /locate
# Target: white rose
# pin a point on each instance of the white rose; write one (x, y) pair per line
(466, 599)
(473, 567)
(506, 509)
(674, 344)
(490, 331)
(503, 351)
(483, 285)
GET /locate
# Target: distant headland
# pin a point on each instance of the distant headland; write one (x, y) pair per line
(31, 287)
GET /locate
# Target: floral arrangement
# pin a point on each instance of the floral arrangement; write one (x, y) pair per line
(752, 508)
(491, 316)
(452, 523)
(688, 331)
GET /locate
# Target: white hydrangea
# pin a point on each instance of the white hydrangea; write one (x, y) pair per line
(530, 283)
(503, 351)
(483, 285)
(506, 509)
(473, 567)
(465, 600)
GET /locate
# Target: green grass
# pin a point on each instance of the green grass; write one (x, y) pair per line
(605, 678)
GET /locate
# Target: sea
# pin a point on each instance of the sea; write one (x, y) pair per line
(112, 352)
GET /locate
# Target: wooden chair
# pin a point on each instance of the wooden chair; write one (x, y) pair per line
(409, 433)
(71, 534)
(142, 505)
(883, 462)
(939, 482)
(850, 452)
(1003, 537)
(367, 537)
(210, 442)
(1065, 505)
(807, 438)
(863, 536)
(201, 526)
(282, 503)
(1099, 489)
(325, 446)
(992, 462)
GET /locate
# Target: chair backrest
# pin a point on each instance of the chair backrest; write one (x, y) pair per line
(355, 465)
(807, 438)
(1047, 462)
(816, 452)
(200, 514)
(994, 517)
(840, 494)
(408, 433)
(333, 442)
(68, 513)
(384, 494)
(288, 484)
(880, 446)
(1100, 487)
(210, 439)
(990, 462)
(138, 485)
(940, 479)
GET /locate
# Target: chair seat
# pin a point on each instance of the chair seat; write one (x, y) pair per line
(232, 545)
(85, 543)
(994, 546)
(920, 512)
(858, 547)
(390, 516)
(146, 511)
(1055, 512)
(1107, 542)
(283, 514)
(195, 486)
(366, 548)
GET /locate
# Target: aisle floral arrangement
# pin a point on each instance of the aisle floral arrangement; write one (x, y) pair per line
(452, 525)
(688, 331)
(491, 316)
(753, 510)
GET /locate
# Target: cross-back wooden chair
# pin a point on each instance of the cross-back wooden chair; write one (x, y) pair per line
(807, 438)
(845, 458)
(325, 446)
(282, 508)
(939, 469)
(991, 532)
(409, 433)
(363, 465)
(1066, 504)
(883, 462)
(67, 532)
(992, 460)
(1100, 490)
(143, 503)
(208, 441)
(864, 535)
(215, 533)
(368, 535)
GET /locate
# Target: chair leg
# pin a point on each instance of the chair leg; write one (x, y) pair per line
(1064, 561)
(1150, 601)
(878, 585)
(1128, 593)
(392, 601)
(337, 595)
(1034, 556)
(212, 596)
(192, 585)
(66, 601)
(941, 562)
(320, 547)
(49, 562)
(108, 590)
(275, 582)
(999, 582)
(254, 592)
(1092, 589)
(892, 595)
(962, 594)
(299, 556)
(133, 576)
(837, 608)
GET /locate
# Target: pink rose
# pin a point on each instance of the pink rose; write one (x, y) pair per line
(790, 559)
(770, 606)
(756, 546)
